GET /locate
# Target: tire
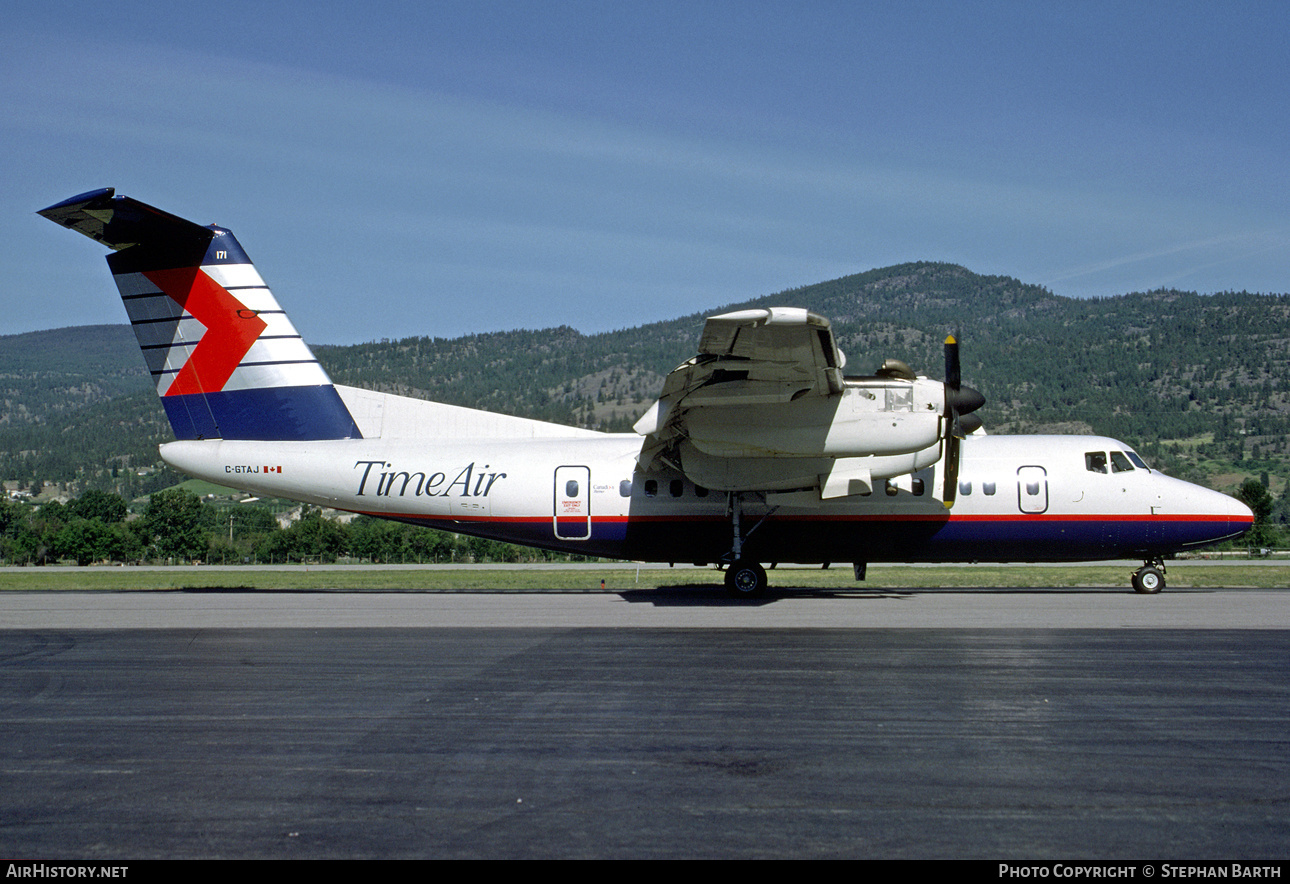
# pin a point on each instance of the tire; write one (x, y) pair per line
(1148, 580)
(746, 580)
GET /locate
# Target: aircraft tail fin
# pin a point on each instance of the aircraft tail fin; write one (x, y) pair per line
(227, 362)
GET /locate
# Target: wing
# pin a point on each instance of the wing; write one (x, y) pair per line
(770, 353)
(750, 357)
(764, 406)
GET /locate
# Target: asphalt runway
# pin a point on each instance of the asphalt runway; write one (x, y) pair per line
(1017, 724)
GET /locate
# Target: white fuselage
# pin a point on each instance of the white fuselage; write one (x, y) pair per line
(1020, 498)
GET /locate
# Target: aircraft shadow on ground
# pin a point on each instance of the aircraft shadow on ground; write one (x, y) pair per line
(677, 595)
(708, 595)
(673, 595)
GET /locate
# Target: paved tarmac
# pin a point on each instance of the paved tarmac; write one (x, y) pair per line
(705, 607)
(1007, 724)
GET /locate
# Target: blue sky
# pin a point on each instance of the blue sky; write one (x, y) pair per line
(402, 169)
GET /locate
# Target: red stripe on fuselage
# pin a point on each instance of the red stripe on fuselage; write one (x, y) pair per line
(231, 329)
(903, 517)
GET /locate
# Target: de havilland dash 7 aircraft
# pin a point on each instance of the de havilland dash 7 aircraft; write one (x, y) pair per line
(760, 449)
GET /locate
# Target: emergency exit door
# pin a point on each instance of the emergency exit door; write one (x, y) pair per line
(572, 517)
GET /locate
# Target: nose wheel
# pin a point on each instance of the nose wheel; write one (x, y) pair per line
(1150, 578)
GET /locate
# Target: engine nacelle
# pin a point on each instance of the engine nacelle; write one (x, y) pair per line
(873, 417)
(829, 477)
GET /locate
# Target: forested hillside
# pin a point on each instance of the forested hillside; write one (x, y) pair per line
(1205, 374)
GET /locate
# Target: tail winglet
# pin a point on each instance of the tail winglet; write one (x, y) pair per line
(226, 360)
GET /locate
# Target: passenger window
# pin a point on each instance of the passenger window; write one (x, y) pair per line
(1095, 461)
(700, 491)
(1120, 463)
(625, 488)
(965, 488)
(916, 486)
(892, 490)
(571, 488)
(677, 487)
(651, 488)
(987, 487)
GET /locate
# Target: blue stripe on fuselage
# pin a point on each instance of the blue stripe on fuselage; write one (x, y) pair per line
(869, 539)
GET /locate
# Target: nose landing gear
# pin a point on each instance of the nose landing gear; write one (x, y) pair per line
(1150, 578)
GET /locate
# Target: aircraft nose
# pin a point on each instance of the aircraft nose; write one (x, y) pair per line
(1231, 516)
(1239, 516)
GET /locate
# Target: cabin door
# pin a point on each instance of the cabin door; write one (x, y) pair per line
(1032, 489)
(572, 517)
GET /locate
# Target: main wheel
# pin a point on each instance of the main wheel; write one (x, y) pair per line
(1148, 580)
(746, 580)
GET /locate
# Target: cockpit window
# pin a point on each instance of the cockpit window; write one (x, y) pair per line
(1120, 463)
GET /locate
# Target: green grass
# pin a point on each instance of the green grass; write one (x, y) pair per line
(588, 580)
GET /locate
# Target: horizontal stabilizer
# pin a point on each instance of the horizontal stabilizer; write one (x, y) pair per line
(120, 222)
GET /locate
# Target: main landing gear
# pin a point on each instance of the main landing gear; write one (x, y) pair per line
(1150, 578)
(745, 578)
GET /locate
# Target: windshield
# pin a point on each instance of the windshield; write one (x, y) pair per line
(1113, 462)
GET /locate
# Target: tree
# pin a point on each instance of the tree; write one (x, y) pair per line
(19, 540)
(376, 539)
(173, 521)
(310, 536)
(85, 540)
(1262, 533)
(101, 505)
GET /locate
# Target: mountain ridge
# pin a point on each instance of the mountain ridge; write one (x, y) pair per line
(1143, 366)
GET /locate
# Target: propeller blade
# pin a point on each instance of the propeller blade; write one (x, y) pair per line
(959, 401)
(951, 469)
(953, 378)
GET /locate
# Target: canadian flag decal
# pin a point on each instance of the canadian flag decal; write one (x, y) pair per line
(231, 329)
